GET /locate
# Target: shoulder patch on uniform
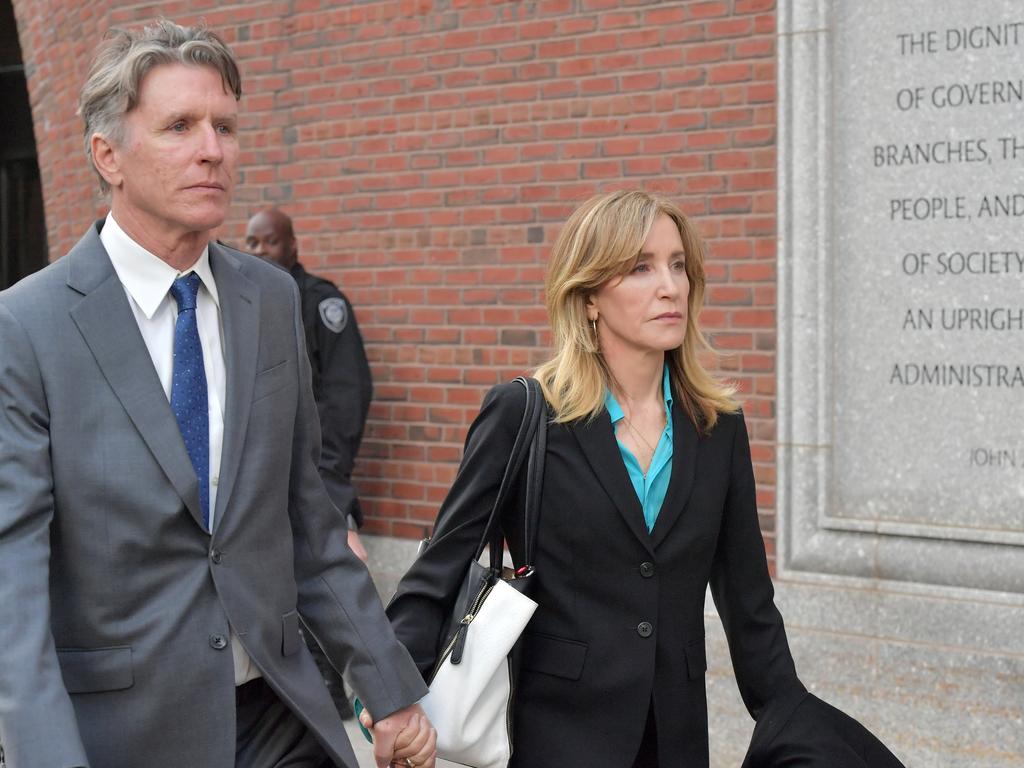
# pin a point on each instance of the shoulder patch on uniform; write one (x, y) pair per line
(334, 313)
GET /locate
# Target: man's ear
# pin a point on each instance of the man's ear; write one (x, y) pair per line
(106, 158)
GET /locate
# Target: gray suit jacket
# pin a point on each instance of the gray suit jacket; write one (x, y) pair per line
(116, 603)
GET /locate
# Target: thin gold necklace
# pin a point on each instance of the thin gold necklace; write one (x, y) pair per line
(650, 447)
(636, 432)
(633, 429)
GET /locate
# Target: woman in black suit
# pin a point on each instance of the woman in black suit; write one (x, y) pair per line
(648, 497)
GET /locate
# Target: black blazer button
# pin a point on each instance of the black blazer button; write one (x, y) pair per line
(216, 555)
(647, 570)
(218, 642)
(644, 629)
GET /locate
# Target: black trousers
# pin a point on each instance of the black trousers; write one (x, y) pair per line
(269, 735)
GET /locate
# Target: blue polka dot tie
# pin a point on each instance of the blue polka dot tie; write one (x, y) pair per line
(188, 386)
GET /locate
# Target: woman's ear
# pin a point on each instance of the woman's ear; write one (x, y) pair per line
(591, 306)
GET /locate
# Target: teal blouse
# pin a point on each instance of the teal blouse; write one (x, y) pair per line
(652, 487)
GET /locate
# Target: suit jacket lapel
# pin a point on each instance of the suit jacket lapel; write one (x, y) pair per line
(107, 323)
(684, 470)
(240, 313)
(597, 440)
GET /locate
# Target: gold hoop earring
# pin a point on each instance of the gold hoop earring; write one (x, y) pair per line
(593, 324)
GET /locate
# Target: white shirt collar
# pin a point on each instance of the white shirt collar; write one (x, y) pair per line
(145, 276)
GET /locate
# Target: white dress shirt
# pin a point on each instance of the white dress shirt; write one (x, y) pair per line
(147, 282)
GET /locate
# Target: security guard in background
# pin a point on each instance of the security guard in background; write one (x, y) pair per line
(342, 384)
(341, 381)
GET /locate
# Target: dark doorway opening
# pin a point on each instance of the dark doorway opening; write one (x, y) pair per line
(22, 220)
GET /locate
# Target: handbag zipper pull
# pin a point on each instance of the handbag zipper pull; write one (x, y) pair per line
(460, 638)
(463, 631)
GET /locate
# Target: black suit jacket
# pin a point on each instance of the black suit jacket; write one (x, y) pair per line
(620, 622)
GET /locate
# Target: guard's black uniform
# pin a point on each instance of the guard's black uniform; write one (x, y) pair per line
(342, 384)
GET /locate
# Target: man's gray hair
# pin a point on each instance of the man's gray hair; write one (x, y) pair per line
(125, 57)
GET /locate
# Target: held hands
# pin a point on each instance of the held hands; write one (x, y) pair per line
(404, 739)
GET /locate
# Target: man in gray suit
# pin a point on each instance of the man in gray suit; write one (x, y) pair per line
(163, 526)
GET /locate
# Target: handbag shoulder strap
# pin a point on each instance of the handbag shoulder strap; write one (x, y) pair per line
(520, 450)
(535, 475)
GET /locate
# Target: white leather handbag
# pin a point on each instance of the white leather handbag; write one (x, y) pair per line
(473, 684)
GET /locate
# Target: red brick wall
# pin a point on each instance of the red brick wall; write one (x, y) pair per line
(428, 152)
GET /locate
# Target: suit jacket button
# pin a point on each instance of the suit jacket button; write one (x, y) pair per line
(647, 570)
(644, 629)
(216, 555)
(218, 642)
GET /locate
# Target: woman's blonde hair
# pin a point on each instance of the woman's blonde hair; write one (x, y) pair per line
(600, 241)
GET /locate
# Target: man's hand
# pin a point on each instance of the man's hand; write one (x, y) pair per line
(403, 739)
(356, 545)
